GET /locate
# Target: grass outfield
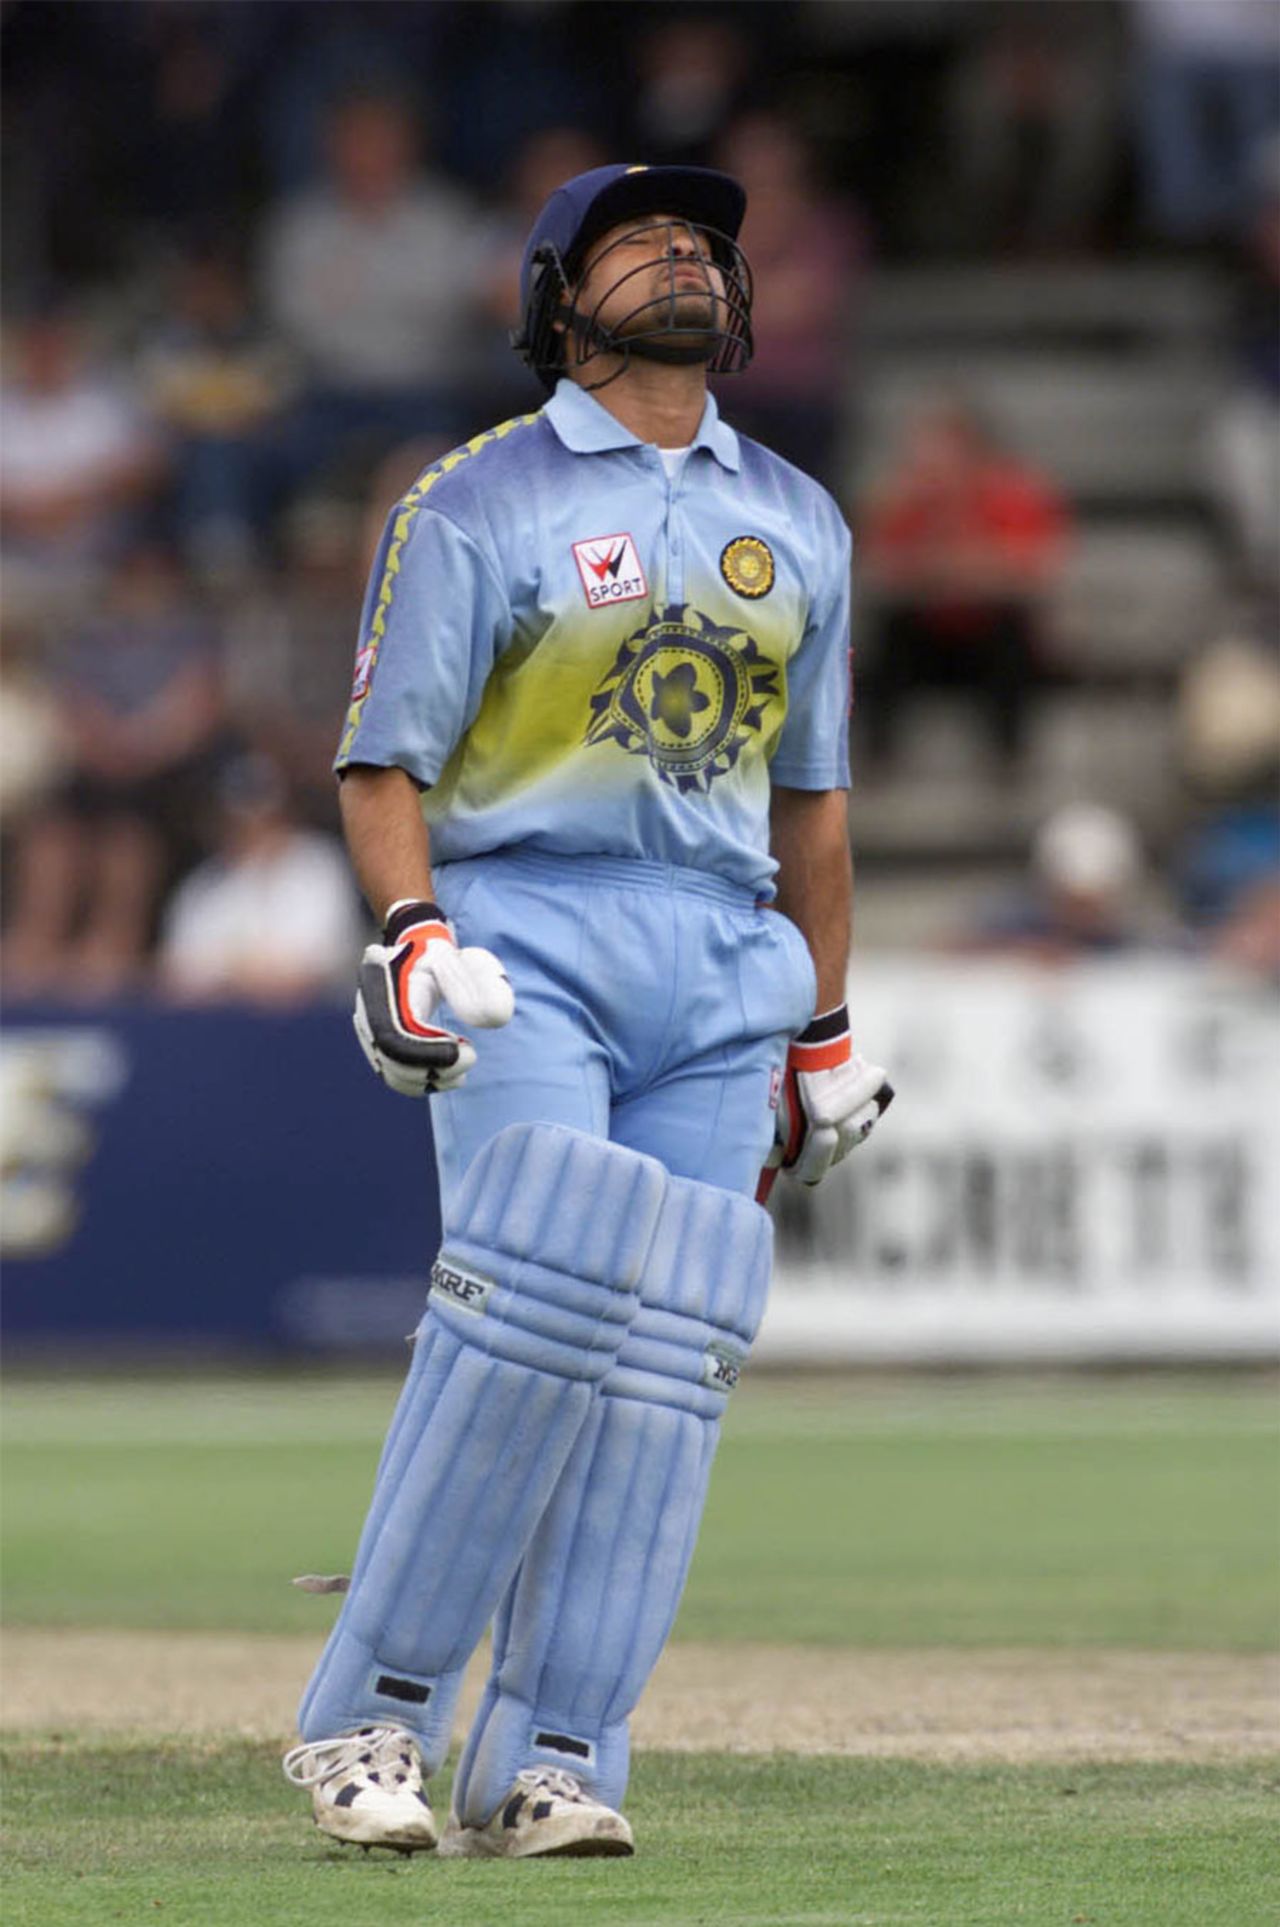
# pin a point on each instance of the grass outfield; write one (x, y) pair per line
(1058, 1515)
(935, 1513)
(158, 1834)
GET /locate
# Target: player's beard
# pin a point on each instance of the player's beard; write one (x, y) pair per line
(679, 325)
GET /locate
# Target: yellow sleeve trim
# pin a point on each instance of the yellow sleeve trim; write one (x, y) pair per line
(406, 514)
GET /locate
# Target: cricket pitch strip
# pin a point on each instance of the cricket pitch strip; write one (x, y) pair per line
(942, 1705)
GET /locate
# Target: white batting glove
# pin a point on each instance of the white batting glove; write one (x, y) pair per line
(404, 979)
(830, 1101)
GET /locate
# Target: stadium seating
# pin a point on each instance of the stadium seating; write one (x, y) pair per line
(1107, 378)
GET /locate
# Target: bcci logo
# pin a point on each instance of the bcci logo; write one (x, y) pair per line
(747, 566)
(686, 694)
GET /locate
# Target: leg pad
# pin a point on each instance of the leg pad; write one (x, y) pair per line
(535, 1289)
(594, 1600)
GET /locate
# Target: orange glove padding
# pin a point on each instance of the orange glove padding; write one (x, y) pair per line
(404, 979)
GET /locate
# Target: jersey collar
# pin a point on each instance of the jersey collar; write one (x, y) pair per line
(587, 428)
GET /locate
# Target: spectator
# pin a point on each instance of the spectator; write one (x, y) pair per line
(216, 383)
(805, 250)
(139, 703)
(77, 461)
(271, 917)
(186, 78)
(1244, 444)
(1229, 868)
(553, 155)
(691, 72)
(1229, 716)
(1248, 938)
(323, 51)
(52, 76)
(290, 649)
(531, 67)
(1208, 78)
(1033, 116)
(960, 545)
(1082, 896)
(368, 282)
(32, 745)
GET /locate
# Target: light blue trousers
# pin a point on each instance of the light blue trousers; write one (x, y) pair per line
(654, 1007)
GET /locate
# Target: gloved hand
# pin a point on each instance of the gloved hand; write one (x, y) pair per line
(829, 1102)
(403, 979)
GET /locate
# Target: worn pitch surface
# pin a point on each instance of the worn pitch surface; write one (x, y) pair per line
(922, 1705)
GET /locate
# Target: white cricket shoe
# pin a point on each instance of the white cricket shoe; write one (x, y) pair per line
(546, 1811)
(366, 1787)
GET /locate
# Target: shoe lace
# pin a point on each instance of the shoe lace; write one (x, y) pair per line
(553, 1780)
(315, 1761)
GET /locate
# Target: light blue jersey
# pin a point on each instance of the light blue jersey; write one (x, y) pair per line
(577, 655)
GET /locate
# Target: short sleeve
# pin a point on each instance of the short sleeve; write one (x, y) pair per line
(435, 617)
(813, 746)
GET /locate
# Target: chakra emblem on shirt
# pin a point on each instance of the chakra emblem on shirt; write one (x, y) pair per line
(686, 693)
(746, 564)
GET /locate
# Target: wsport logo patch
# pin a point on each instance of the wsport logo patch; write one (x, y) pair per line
(609, 569)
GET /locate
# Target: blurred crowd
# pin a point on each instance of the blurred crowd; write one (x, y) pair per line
(260, 264)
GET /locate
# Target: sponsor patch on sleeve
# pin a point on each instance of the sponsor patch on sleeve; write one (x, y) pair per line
(364, 671)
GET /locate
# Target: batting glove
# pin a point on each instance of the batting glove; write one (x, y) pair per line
(830, 1100)
(404, 979)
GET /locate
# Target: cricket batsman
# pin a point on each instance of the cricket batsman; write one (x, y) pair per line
(594, 784)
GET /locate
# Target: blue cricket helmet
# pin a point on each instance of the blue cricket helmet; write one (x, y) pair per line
(583, 209)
